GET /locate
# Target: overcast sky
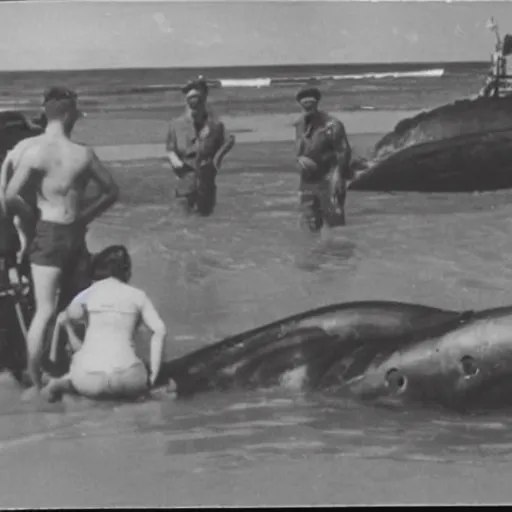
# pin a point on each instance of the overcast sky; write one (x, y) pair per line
(75, 34)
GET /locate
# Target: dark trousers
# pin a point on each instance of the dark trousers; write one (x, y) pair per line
(317, 206)
(197, 189)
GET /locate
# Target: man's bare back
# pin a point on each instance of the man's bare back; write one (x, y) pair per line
(53, 172)
(63, 167)
(58, 171)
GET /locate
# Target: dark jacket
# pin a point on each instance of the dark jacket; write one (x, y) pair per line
(193, 147)
(325, 141)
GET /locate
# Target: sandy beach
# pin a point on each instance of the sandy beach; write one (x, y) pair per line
(119, 138)
(244, 266)
(138, 471)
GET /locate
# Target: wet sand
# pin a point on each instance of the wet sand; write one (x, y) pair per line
(139, 472)
(125, 138)
(248, 265)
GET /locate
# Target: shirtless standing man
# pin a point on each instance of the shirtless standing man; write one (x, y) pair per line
(323, 157)
(58, 170)
(196, 144)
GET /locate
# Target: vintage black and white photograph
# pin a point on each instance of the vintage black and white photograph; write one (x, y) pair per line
(255, 253)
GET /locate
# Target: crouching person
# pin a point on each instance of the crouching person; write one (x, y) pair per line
(323, 158)
(105, 365)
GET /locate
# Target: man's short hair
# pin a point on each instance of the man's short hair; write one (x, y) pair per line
(58, 101)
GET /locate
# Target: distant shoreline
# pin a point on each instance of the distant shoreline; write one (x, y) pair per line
(107, 133)
(134, 154)
(215, 69)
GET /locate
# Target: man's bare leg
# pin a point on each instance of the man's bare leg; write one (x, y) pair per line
(46, 282)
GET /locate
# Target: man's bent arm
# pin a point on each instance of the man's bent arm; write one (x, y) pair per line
(12, 199)
(11, 161)
(23, 223)
(342, 147)
(227, 142)
(5, 172)
(172, 150)
(109, 190)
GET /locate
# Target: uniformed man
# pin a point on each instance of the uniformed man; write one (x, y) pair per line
(196, 144)
(323, 158)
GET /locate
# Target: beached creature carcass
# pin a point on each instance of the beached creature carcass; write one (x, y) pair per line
(393, 354)
(461, 147)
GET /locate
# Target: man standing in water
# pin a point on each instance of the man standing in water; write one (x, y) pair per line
(323, 158)
(196, 145)
(58, 170)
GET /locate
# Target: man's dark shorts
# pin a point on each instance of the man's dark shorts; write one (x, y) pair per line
(63, 246)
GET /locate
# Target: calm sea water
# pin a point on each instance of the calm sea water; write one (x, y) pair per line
(353, 86)
(246, 265)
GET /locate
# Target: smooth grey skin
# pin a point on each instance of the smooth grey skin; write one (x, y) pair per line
(308, 344)
(467, 369)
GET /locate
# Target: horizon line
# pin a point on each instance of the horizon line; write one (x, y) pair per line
(178, 68)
